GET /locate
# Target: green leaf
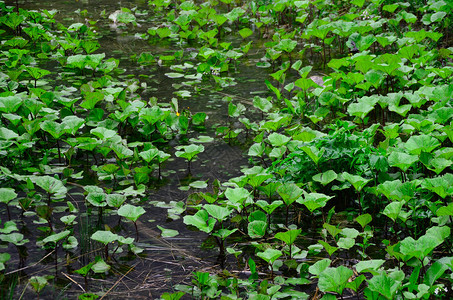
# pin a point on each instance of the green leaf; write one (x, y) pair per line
(131, 212)
(318, 267)
(218, 212)
(7, 194)
(334, 231)
(330, 249)
(14, 238)
(401, 160)
(189, 152)
(289, 192)
(91, 98)
(104, 237)
(173, 296)
(393, 210)
(7, 134)
(371, 266)
(357, 181)
(51, 185)
(168, 232)
(314, 153)
(224, 233)
(201, 221)
(288, 237)
(270, 255)
(375, 77)
(286, 45)
(364, 219)
(54, 238)
(199, 184)
(314, 200)
(100, 266)
(245, 32)
(418, 143)
(277, 139)
(346, 243)
(38, 283)
(326, 177)
(256, 229)
(384, 285)
(10, 104)
(269, 208)
(334, 279)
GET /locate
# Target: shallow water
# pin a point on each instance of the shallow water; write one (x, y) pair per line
(165, 262)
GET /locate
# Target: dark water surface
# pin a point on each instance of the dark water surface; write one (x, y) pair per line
(165, 262)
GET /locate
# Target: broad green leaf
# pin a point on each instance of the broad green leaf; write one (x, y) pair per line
(269, 208)
(288, 237)
(7, 134)
(330, 249)
(270, 255)
(201, 221)
(256, 229)
(245, 32)
(371, 266)
(51, 185)
(334, 279)
(14, 238)
(7, 194)
(289, 192)
(131, 212)
(218, 212)
(318, 267)
(168, 232)
(97, 199)
(54, 238)
(393, 210)
(418, 143)
(277, 139)
(314, 153)
(100, 266)
(357, 181)
(384, 285)
(436, 270)
(401, 160)
(333, 230)
(345, 243)
(10, 104)
(189, 152)
(198, 184)
(104, 237)
(364, 219)
(375, 77)
(326, 177)
(37, 283)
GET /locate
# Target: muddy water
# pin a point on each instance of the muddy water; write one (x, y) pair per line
(164, 262)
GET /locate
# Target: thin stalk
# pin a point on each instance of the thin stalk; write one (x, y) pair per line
(136, 232)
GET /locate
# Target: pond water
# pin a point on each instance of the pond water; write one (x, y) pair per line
(164, 262)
